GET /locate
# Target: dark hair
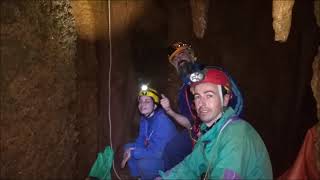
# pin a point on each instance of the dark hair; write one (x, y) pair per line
(224, 90)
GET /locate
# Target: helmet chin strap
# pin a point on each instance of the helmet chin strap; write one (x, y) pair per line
(216, 118)
(221, 96)
(151, 114)
(221, 100)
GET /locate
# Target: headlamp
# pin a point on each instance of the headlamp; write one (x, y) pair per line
(196, 76)
(144, 89)
(176, 46)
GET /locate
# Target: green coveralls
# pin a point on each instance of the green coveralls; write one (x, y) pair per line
(233, 149)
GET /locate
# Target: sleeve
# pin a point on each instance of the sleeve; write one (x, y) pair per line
(191, 167)
(233, 154)
(304, 166)
(162, 130)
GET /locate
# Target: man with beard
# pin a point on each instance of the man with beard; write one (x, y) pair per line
(181, 56)
(229, 147)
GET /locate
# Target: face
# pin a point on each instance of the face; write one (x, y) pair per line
(208, 103)
(181, 58)
(146, 105)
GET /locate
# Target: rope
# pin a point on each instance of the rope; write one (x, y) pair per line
(109, 84)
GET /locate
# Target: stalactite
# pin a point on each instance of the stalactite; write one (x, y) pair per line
(199, 9)
(317, 11)
(315, 84)
(282, 13)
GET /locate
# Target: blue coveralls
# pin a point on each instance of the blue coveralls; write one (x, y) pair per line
(154, 133)
(181, 145)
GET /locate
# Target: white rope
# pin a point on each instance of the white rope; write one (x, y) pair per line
(109, 84)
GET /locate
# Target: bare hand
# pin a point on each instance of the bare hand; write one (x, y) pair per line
(165, 103)
(126, 157)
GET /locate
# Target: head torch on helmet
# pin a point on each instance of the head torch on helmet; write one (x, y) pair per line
(196, 76)
(147, 91)
(212, 75)
(177, 47)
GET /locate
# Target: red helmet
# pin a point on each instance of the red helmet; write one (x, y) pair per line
(214, 76)
(218, 76)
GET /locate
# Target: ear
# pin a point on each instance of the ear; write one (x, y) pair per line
(226, 99)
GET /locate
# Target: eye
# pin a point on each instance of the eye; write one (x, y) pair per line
(196, 96)
(209, 95)
(149, 101)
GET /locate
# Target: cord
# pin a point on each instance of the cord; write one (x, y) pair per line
(109, 83)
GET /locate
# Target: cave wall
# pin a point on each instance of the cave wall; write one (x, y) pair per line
(315, 82)
(116, 82)
(38, 90)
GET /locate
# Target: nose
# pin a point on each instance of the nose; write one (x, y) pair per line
(201, 101)
(141, 104)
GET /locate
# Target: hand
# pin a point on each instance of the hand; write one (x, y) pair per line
(126, 157)
(165, 103)
(158, 178)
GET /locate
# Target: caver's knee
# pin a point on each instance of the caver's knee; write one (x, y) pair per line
(149, 168)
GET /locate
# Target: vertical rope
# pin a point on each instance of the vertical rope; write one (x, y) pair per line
(109, 84)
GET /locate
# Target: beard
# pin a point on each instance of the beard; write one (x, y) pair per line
(185, 69)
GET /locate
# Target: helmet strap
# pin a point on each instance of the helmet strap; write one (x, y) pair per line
(221, 96)
(150, 115)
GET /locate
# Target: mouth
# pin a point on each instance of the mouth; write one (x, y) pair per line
(203, 111)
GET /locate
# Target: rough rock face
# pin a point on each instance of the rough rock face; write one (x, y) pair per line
(317, 11)
(199, 9)
(38, 90)
(315, 84)
(282, 15)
